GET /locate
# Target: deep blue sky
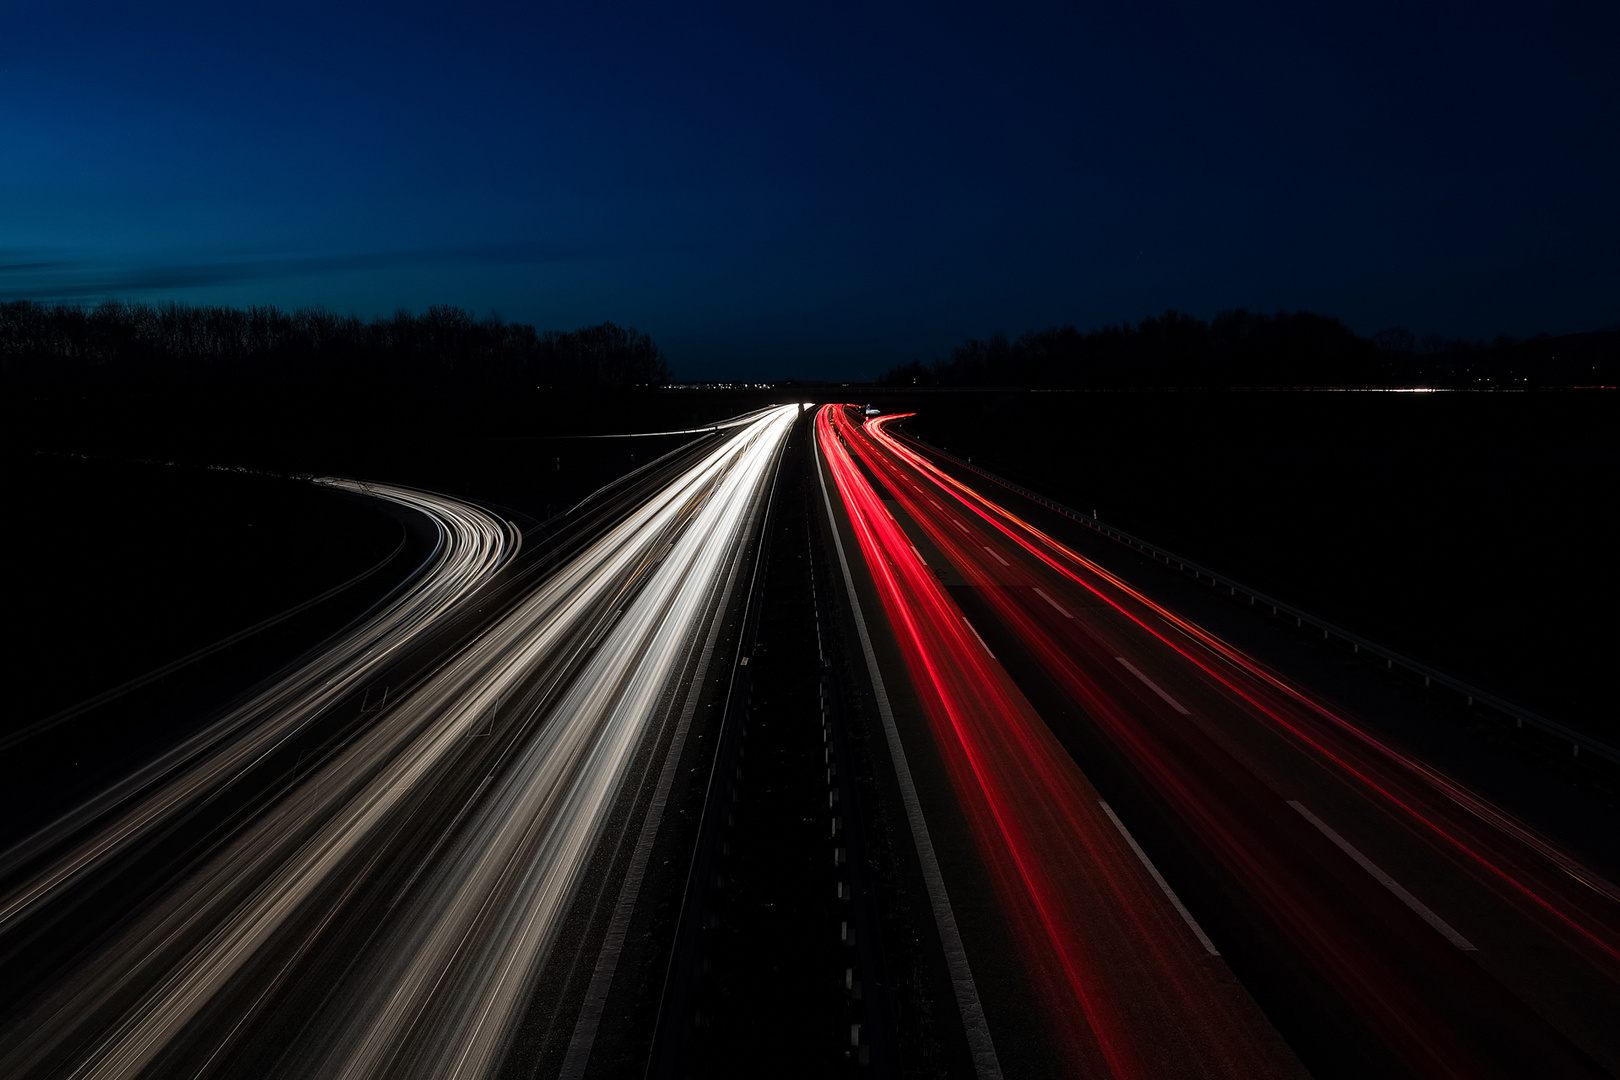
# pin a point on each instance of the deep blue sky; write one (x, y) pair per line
(821, 191)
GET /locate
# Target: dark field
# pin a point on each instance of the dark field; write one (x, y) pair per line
(1469, 530)
(128, 565)
(147, 531)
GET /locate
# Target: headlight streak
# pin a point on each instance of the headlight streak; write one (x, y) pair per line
(442, 979)
(566, 779)
(471, 546)
(1071, 890)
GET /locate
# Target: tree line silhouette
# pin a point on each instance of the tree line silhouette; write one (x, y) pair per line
(121, 347)
(1241, 348)
(179, 346)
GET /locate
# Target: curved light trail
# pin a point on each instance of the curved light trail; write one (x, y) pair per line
(472, 545)
(1232, 749)
(387, 916)
(1131, 992)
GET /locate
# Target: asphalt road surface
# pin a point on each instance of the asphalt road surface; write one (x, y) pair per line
(1380, 916)
(383, 904)
(1145, 853)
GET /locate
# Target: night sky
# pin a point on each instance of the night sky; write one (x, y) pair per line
(825, 191)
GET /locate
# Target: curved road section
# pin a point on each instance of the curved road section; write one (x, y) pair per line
(388, 912)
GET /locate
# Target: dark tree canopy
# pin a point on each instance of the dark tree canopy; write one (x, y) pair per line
(1240, 348)
(442, 349)
(1236, 348)
(606, 355)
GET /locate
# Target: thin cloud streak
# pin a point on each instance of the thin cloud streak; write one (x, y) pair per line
(67, 279)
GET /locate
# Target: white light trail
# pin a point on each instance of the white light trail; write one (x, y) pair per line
(442, 980)
(471, 546)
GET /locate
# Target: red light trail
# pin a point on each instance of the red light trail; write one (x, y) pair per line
(1096, 932)
(1221, 769)
(1054, 554)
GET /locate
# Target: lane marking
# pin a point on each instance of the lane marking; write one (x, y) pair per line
(1042, 594)
(976, 634)
(1169, 893)
(917, 553)
(986, 1065)
(1225, 652)
(1153, 686)
(1385, 880)
(961, 526)
(996, 557)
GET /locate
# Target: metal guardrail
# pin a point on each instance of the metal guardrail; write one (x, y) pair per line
(1472, 696)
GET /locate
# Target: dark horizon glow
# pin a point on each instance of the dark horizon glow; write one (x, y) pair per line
(820, 192)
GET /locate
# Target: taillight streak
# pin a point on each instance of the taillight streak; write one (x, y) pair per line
(1043, 818)
(1016, 529)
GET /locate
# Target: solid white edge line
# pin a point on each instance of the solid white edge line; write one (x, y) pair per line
(1153, 686)
(1169, 893)
(1054, 603)
(981, 639)
(1385, 880)
(996, 557)
(985, 1063)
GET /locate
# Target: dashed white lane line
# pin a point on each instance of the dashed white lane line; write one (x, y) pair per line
(1169, 893)
(985, 1064)
(976, 634)
(996, 557)
(1385, 880)
(1153, 686)
(961, 526)
(917, 553)
(1042, 594)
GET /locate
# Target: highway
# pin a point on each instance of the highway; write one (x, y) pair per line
(385, 903)
(1267, 864)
